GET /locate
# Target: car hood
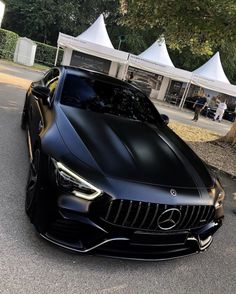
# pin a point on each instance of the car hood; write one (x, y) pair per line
(133, 150)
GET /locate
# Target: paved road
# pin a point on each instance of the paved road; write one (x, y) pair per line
(185, 117)
(29, 264)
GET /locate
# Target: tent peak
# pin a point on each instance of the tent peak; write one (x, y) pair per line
(213, 69)
(158, 53)
(97, 33)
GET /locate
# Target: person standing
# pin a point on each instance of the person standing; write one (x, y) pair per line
(199, 105)
(222, 106)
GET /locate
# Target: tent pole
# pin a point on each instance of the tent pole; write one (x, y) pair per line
(181, 105)
(168, 88)
(126, 69)
(185, 94)
(55, 63)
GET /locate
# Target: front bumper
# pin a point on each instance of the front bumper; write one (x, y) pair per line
(73, 228)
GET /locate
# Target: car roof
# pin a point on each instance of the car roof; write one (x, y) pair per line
(93, 74)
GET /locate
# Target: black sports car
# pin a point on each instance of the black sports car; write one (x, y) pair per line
(108, 176)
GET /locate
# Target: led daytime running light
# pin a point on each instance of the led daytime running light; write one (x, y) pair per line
(80, 194)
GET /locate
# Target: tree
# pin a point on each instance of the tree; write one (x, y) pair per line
(196, 27)
(200, 27)
(42, 20)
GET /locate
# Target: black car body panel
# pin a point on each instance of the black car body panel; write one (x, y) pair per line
(155, 198)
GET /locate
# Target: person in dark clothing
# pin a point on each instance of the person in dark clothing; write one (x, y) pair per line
(198, 106)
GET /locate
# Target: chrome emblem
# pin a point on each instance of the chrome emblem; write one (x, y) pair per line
(173, 192)
(169, 219)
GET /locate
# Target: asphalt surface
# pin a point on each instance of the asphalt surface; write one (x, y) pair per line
(185, 116)
(29, 264)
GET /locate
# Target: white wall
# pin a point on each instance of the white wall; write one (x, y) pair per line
(67, 56)
(2, 10)
(164, 86)
(113, 69)
(25, 52)
(122, 71)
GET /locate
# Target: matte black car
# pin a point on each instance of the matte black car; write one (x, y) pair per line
(108, 176)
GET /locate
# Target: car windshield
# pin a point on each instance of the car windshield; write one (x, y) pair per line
(110, 98)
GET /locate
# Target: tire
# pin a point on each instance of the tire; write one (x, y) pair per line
(36, 193)
(24, 119)
(33, 184)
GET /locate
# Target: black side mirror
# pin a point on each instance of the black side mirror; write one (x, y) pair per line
(42, 93)
(165, 119)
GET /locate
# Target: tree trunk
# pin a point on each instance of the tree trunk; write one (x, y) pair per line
(230, 137)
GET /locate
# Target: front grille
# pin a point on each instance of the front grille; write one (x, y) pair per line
(154, 217)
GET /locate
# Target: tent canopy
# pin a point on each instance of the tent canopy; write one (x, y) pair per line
(212, 70)
(157, 53)
(97, 34)
(211, 76)
(95, 41)
(66, 41)
(214, 85)
(165, 70)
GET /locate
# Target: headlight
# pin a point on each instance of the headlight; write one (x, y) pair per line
(218, 194)
(70, 181)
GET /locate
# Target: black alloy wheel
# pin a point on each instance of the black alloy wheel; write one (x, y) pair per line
(33, 184)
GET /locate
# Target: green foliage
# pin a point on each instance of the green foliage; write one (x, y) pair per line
(8, 42)
(197, 24)
(43, 20)
(45, 54)
(193, 29)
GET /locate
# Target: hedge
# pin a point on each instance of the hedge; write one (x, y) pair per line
(8, 42)
(45, 54)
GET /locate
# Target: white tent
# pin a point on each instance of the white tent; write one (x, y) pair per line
(66, 41)
(95, 42)
(211, 76)
(161, 69)
(212, 70)
(157, 53)
(97, 34)
(168, 73)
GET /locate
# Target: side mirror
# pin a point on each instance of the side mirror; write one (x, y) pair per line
(165, 119)
(42, 93)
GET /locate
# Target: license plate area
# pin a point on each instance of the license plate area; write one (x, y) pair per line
(159, 239)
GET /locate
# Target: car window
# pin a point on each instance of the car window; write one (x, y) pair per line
(107, 97)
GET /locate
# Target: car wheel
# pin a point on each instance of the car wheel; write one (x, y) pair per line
(24, 119)
(33, 184)
(38, 203)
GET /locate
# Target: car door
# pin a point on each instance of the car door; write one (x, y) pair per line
(37, 109)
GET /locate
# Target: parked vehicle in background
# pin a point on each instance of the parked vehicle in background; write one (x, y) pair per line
(209, 111)
(144, 86)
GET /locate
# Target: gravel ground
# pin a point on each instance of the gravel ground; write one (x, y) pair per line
(219, 155)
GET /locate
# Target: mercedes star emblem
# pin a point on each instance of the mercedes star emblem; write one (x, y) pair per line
(173, 192)
(169, 219)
